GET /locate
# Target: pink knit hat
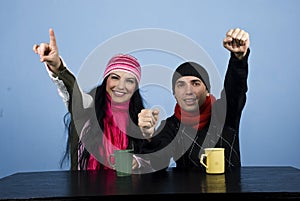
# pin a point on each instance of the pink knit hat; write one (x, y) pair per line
(124, 62)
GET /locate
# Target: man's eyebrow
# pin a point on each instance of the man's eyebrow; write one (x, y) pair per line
(180, 81)
(196, 80)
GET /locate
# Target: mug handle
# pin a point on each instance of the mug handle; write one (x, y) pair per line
(202, 156)
(109, 161)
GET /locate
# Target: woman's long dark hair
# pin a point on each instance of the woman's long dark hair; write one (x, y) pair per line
(135, 106)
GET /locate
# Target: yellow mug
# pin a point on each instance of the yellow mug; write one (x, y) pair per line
(215, 160)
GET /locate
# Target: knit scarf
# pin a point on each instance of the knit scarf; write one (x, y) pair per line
(197, 119)
(114, 134)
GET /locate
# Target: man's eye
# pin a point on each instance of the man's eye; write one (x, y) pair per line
(197, 83)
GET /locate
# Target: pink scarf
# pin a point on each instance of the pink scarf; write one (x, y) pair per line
(114, 137)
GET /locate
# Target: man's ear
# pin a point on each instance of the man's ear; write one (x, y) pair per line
(207, 93)
(175, 97)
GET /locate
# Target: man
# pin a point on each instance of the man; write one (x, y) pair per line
(199, 120)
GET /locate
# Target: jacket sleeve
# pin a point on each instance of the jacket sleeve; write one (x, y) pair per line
(77, 104)
(68, 88)
(235, 89)
(233, 97)
(160, 149)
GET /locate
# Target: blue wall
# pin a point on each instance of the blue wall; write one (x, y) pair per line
(31, 112)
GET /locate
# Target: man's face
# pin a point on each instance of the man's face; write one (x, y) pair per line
(190, 93)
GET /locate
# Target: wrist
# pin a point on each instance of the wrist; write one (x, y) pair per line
(61, 68)
(147, 135)
(239, 55)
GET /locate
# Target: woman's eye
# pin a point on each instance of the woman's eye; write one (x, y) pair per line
(130, 81)
(114, 77)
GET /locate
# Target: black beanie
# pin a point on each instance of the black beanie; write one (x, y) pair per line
(191, 69)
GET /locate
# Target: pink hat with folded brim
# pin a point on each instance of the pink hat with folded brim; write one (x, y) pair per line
(124, 62)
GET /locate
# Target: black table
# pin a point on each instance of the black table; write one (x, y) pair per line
(246, 183)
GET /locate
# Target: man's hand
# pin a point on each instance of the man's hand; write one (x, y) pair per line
(237, 41)
(147, 121)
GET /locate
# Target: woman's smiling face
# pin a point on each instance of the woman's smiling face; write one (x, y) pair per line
(121, 86)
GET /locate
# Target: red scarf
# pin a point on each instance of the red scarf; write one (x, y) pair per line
(114, 137)
(198, 119)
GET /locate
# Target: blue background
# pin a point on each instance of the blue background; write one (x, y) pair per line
(31, 112)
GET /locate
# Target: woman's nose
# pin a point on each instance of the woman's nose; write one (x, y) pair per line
(121, 84)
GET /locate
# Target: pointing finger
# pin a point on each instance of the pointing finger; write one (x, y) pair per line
(52, 38)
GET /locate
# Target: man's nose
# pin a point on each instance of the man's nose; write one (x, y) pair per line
(188, 89)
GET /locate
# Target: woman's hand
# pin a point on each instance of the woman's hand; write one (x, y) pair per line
(48, 53)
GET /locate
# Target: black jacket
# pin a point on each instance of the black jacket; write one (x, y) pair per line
(185, 144)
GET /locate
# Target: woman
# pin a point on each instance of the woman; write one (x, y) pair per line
(104, 119)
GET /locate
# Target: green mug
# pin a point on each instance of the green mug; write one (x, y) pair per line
(122, 162)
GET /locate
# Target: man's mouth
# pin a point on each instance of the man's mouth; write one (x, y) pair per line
(190, 101)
